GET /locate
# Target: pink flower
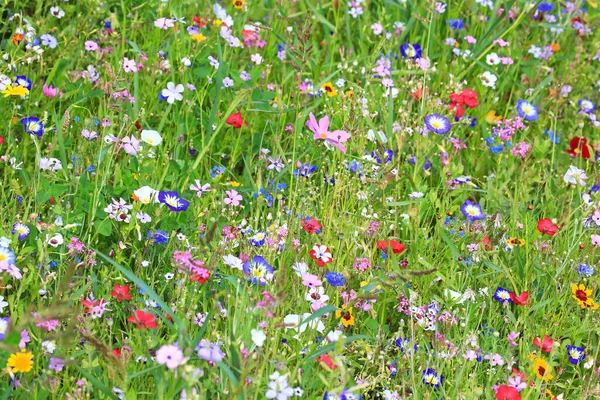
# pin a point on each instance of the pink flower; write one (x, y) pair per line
(321, 131)
(470, 355)
(131, 145)
(595, 240)
(233, 198)
(470, 39)
(90, 45)
(170, 355)
(129, 65)
(311, 280)
(164, 23)
(50, 91)
(511, 338)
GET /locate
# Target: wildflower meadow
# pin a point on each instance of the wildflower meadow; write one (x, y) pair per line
(300, 199)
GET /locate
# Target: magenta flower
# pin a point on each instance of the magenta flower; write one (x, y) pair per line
(24, 338)
(233, 198)
(50, 91)
(321, 131)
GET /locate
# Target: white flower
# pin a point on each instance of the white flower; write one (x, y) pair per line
(48, 346)
(172, 92)
(153, 138)
(492, 59)
(233, 262)
(55, 240)
(294, 321)
(50, 164)
(300, 268)
(5, 242)
(488, 79)
(169, 276)
(256, 58)
(213, 62)
(316, 294)
(146, 195)
(186, 61)
(2, 303)
(228, 82)
(575, 176)
(258, 337)
(57, 12)
(415, 195)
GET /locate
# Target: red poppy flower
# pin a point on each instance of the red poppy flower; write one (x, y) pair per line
(200, 21)
(520, 300)
(417, 94)
(311, 225)
(142, 319)
(121, 292)
(397, 247)
(506, 392)
(579, 147)
(200, 278)
(467, 98)
(545, 345)
(236, 120)
(327, 360)
(547, 227)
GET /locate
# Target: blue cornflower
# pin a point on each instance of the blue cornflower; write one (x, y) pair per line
(356, 167)
(545, 6)
(216, 171)
(158, 236)
(585, 270)
(456, 24)
(553, 137)
(335, 279)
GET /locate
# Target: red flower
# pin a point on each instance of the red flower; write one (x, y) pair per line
(579, 147)
(311, 225)
(467, 98)
(546, 226)
(236, 120)
(545, 345)
(326, 359)
(143, 319)
(89, 304)
(200, 278)
(397, 247)
(521, 300)
(417, 94)
(1, 140)
(505, 392)
(487, 243)
(121, 292)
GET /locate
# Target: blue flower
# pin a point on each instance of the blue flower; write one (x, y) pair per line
(576, 354)
(456, 24)
(502, 295)
(527, 110)
(553, 137)
(411, 50)
(586, 106)
(49, 40)
(22, 80)
(545, 6)
(386, 158)
(305, 170)
(3, 327)
(431, 378)
(7, 255)
(33, 125)
(158, 236)
(437, 123)
(173, 201)
(21, 229)
(258, 239)
(335, 279)
(585, 270)
(257, 269)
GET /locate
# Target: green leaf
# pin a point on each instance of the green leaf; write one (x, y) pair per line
(97, 384)
(103, 227)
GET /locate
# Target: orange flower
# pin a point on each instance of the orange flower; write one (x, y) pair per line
(17, 38)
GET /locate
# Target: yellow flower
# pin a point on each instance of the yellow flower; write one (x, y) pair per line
(349, 94)
(239, 4)
(345, 316)
(15, 91)
(235, 183)
(542, 370)
(20, 362)
(198, 37)
(329, 89)
(594, 4)
(365, 283)
(491, 117)
(582, 296)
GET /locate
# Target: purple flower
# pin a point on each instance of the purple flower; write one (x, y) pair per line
(502, 295)
(209, 351)
(56, 364)
(24, 338)
(472, 211)
(437, 123)
(411, 50)
(33, 125)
